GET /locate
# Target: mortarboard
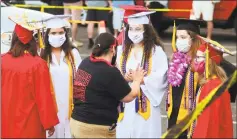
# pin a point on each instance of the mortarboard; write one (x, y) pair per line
(24, 28)
(57, 21)
(189, 26)
(212, 50)
(132, 9)
(139, 18)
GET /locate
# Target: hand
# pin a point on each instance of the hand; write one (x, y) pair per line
(51, 131)
(128, 76)
(138, 74)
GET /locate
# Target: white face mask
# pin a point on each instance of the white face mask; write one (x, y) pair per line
(135, 37)
(57, 40)
(183, 45)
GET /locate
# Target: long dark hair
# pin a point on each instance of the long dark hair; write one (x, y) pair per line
(151, 40)
(66, 47)
(18, 48)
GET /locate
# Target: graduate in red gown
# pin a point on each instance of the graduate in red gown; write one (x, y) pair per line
(216, 120)
(28, 108)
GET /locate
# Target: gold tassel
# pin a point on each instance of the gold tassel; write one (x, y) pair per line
(40, 39)
(173, 38)
(207, 63)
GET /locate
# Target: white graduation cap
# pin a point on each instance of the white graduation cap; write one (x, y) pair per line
(57, 21)
(139, 18)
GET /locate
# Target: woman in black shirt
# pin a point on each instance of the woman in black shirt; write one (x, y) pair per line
(98, 88)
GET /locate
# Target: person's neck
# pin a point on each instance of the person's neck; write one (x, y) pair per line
(138, 45)
(56, 50)
(104, 57)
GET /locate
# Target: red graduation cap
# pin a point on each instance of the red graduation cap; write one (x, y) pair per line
(23, 34)
(214, 54)
(215, 50)
(132, 9)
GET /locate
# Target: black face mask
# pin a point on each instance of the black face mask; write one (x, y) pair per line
(113, 62)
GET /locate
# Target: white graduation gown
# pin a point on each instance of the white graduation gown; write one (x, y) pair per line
(132, 124)
(60, 78)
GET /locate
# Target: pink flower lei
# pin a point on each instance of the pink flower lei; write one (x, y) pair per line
(177, 68)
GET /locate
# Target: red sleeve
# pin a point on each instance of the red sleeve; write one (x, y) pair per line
(44, 99)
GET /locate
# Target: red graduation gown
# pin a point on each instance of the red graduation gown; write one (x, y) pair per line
(216, 120)
(27, 104)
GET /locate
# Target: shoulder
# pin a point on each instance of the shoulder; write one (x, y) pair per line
(5, 55)
(212, 83)
(113, 72)
(158, 51)
(85, 60)
(40, 61)
(75, 51)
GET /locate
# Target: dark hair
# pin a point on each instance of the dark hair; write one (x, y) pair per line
(18, 48)
(66, 47)
(151, 40)
(102, 44)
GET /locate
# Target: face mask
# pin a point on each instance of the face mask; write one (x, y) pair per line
(183, 45)
(198, 67)
(114, 59)
(57, 40)
(135, 37)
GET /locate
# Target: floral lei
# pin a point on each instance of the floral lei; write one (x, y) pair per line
(177, 68)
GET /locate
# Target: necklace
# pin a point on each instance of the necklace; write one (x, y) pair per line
(177, 68)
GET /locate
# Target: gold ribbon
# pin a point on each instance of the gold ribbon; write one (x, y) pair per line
(71, 106)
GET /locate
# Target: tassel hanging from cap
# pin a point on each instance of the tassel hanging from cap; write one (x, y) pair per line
(207, 62)
(40, 39)
(173, 38)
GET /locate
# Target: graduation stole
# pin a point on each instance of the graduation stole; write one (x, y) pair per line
(142, 104)
(72, 73)
(188, 95)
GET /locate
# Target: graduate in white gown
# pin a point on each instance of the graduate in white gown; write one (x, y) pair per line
(141, 118)
(63, 61)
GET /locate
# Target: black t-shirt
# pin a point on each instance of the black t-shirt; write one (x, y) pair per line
(98, 89)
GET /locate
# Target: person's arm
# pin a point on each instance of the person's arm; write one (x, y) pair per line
(44, 100)
(135, 90)
(120, 89)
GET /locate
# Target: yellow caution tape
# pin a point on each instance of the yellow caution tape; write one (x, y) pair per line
(86, 22)
(92, 8)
